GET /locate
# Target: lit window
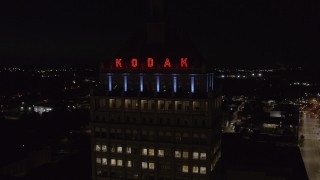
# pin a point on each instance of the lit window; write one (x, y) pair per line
(185, 155)
(128, 150)
(195, 169)
(161, 105)
(144, 104)
(178, 105)
(151, 152)
(127, 103)
(144, 151)
(177, 154)
(98, 160)
(185, 168)
(203, 156)
(119, 162)
(151, 166)
(98, 148)
(203, 170)
(104, 148)
(161, 153)
(144, 165)
(113, 162)
(112, 103)
(129, 163)
(195, 155)
(196, 105)
(119, 149)
(104, 161)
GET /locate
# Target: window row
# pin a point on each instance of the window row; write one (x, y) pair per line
(185, 168)
(195, 169)
(185, 155)
(151, 105)
(113, 149)
(148, 165)
(153, 152)
(150, 133)
(113, 162)
(187, 121)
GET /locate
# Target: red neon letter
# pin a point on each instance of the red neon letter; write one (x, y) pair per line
(150, 62)
(167, 63)
(134, 62)
(184, 62)
(118, 63)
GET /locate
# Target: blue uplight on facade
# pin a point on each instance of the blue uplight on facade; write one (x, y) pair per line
(141, 83)
(174, 83)
(125, 82)
(158, 82)
(110, 82)
(192, 84)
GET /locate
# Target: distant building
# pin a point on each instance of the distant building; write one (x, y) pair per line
(157, 115)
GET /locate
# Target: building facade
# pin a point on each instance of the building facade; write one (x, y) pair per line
(157, 115)
(159, 122)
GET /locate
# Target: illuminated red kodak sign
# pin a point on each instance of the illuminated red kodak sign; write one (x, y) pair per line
(149, 63)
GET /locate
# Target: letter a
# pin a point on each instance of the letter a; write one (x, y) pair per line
(184, 62)
(150, 63)
(118, 63)
(167, 63)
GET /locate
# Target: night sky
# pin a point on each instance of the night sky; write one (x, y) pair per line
(227, 32)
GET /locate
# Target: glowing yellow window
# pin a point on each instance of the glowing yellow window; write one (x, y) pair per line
(151, 152)
(98, 148)
(185, 154)
(185, 168)
(177, 154)
(151, 166)
(161, 153)
(119, 162)
(195, 169)
(144, 165)
(113, 162)
(104, 161)
(144, 151)
(119, 149)
(203, 170)
(203, 156)
(129, 163)
(98, 160)
(195, 155)
(104, 148)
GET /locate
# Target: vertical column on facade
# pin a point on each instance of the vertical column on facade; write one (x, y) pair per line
(141, 82)
(174, 76)
(211, 81)
(158, 82)
(109, 82)
(207, 82)
(192, 83)
(125, 82)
